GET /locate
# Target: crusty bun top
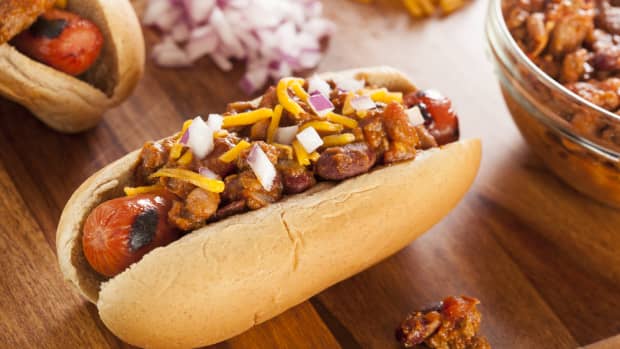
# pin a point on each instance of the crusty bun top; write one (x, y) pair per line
(17, 15)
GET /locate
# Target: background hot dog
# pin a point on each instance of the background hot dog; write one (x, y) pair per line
(62, 40)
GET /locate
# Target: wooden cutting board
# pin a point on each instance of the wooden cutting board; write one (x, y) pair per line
(543, 259)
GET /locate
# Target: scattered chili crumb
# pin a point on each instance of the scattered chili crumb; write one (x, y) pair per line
(451, 324)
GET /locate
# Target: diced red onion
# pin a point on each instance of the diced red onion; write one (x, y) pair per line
(203, 40)
(286, 135)
(254, 79)
(415, 116)
(221, 61)
(168, 54)
(349, 84)
(198, 10)
(215, 122)
(320, 104)
(361, 103)
(262, 167)
(185, 137)
(200, 138)
(316, 84)
(205, 171)
(275, 38)
(181, 32)
(309, 139)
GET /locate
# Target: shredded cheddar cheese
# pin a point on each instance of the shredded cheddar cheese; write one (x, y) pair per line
(285, 100)
(342, 120)
(424, 8)
(275, 122)
(186, 159)
(287, 149)
(362, 114)
(220, 134)
(208, 184)
(61, 4)
(301, 154)
(384, 96)
(131, 191)
(336, 140)
(232, 154)
(314, 157)
(176, 150)
(347, 108)
(324, 126)
(296, 86)
(247, 118)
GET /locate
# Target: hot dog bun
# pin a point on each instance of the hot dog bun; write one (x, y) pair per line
(69, 104)
(220, 280)
(17, 15)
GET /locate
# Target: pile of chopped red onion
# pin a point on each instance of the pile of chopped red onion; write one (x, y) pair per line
(274, 37)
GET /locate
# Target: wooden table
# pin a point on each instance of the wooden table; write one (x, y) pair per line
(544, 260)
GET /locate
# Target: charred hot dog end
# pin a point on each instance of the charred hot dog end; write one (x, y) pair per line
(62, 40)
(119, 232)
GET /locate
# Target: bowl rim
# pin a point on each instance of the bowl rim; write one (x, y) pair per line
(496, 8)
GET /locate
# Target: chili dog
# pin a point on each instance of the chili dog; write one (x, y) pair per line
(266, 204)
(69, 61)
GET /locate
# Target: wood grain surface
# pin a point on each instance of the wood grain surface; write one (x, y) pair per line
(543, 259)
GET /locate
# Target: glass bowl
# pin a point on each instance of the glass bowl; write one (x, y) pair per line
(562, 128)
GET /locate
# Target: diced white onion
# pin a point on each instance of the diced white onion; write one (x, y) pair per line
(215, 122)
(316, 84)
(200, 138)
(349, 84)
(205, 171)
(286, 135)
(262, 167)
(415, 116)
(309, 139)
(361, 103)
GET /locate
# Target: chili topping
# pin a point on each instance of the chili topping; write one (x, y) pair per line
(300, 132)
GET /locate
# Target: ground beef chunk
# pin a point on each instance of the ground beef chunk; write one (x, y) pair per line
(295, 177)
(269, 99)
(212, 161)
(195, 210)
(153, 156)
(575, 66)
(608, 17)
(338, 163)
(247, 188)
(239, 107)
(228, 210)
(403, 137)
(375, 134)
(454, 324)
(427, 140)
(602, 93)
(574, 21)
(258, 131)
